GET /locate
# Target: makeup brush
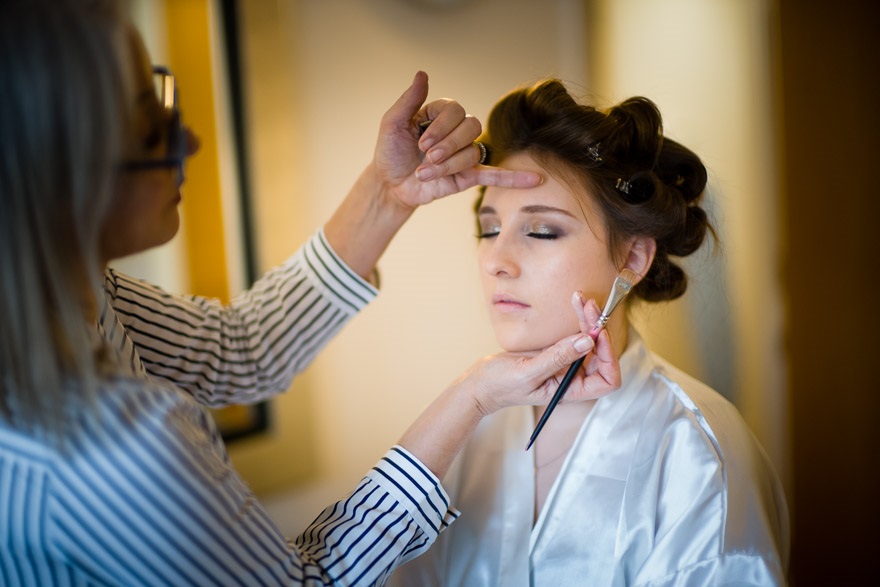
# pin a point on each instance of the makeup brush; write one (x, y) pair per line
(622, 285)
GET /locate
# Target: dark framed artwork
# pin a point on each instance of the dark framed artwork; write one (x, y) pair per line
(238, 422)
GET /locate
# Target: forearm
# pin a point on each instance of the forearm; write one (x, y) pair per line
(365, 222)
(251, 348)
(444, 427)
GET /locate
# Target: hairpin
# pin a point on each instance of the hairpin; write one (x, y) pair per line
(593, 150)
(622, 185)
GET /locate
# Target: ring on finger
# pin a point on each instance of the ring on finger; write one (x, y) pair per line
(483, 152)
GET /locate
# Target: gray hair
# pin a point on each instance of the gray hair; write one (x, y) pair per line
(64, 107)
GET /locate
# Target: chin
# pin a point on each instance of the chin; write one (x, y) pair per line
(521, 342)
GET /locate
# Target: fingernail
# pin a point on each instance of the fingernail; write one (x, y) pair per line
(583, 344)
(425, 173)
(435, 155)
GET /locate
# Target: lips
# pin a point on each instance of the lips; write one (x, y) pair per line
(507, 303)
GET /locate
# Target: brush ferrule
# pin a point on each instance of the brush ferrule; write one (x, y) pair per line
(619, 290)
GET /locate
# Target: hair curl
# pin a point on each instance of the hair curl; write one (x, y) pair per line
(666, 180)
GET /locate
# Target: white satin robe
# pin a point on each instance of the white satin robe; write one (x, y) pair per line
(664, 485)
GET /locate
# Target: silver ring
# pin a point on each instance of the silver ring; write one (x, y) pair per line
(483, 152)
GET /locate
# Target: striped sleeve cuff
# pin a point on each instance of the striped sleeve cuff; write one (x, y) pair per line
(412, 484)
(330, 273)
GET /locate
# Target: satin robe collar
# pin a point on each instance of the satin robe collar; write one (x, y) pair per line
(593, 455)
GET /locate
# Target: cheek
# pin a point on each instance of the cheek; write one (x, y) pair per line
(138, 219)
(556, 314)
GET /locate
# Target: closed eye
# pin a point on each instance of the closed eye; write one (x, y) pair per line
(543, 235)
(544, 231)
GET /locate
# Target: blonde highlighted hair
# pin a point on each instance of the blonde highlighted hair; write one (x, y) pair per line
(63, 112)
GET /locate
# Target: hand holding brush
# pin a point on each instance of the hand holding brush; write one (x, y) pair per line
(623, 283)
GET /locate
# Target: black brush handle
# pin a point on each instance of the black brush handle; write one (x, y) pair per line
(560, 391)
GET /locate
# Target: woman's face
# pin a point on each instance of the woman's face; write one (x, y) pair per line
(144, 211)
(537, 247)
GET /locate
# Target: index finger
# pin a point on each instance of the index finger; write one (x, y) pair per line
(506, 178)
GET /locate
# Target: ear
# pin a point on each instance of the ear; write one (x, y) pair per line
(640, 255)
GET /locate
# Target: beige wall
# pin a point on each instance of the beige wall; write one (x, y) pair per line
(708, 66)
(322, 74)
(428, 324)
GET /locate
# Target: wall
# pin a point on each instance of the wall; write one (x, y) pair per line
(708, 67)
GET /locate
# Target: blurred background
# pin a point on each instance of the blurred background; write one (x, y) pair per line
(779, 98)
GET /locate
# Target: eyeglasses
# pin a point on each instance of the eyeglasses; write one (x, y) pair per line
(166, 92)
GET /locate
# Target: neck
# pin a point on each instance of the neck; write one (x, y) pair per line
(618, 330)
(88, 302)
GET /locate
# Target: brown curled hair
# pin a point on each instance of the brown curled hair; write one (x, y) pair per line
(644, 183)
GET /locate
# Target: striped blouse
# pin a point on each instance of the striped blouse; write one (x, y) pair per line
(143, 492)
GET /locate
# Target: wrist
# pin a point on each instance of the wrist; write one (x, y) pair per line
(442, 430)
(365, 222)
(385, 202)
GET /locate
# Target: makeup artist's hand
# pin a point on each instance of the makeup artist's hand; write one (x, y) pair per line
(444, 160)
(409, 170)
(600, 365)
(503, 380)
(509, 379)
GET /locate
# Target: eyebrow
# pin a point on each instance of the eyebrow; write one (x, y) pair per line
(532, 209)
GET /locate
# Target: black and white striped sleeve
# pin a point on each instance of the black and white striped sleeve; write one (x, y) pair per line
(153, 500)
(394, 515)
(252, 348)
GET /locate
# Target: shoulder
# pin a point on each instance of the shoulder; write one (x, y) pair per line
(706, 454)
(711, 416)
(141, 441)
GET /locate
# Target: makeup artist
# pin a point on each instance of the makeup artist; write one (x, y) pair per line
(111, 470)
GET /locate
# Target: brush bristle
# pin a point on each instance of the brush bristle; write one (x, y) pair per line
(629, 276)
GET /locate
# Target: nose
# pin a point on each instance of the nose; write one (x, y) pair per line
(500, 258)
(192, 142)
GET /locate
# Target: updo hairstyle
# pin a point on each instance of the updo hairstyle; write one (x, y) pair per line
(645, 184)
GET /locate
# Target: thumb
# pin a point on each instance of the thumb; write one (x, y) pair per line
(407, 105)
(559, 356)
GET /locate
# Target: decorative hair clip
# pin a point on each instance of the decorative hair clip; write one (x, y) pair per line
(622, 185)
(593, 150)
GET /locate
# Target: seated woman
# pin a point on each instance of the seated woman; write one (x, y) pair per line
(658, 483)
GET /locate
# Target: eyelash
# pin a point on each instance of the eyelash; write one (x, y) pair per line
(538, 235)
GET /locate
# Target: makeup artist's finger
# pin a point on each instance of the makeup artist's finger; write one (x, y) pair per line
(557, 357)
(450, 135)
(601, 373)
(445, 115)
(401, 114)
(591, 316)
(505, 178)
(604, 362)
(469, 177)
(457, 164)
(578, 302)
